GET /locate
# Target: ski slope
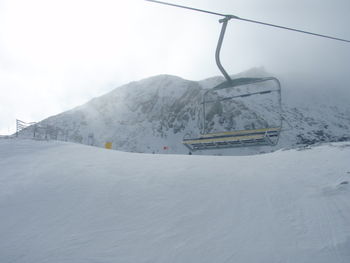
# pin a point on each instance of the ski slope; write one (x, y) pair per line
(63, 202)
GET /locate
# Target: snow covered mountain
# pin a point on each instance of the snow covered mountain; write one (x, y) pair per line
(66, 203)
(154, 114)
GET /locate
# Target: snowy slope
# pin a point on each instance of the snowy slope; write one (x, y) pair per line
(63, 202)
(147, 115)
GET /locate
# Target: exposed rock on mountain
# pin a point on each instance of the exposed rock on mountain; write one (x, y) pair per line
(153, 115)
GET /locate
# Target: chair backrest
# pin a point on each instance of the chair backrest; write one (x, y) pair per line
(242, 104)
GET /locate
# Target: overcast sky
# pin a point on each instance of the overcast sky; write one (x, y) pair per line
(58, 54)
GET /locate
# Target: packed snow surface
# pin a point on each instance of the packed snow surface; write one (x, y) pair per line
(63, 202)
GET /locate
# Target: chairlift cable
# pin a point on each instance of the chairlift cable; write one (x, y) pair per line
(293, 29)
(227, 16)
(186, 7)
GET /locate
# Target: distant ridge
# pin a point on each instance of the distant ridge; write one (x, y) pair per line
(154, 113)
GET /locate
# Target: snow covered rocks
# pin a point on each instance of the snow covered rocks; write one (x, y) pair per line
(157, 112)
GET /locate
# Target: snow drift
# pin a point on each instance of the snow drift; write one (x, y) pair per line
(64, 202)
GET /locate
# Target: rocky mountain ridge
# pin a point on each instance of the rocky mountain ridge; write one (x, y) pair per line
(153, 115)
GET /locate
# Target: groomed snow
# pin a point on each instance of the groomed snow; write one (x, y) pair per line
(63, 202)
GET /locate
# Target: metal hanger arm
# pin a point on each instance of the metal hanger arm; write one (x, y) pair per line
(218, 49)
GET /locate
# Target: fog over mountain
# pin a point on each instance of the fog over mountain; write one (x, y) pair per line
(154, 114)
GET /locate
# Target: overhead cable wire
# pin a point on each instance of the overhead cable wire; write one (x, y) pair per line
(295, 30)
(186, 7)
(249, 20)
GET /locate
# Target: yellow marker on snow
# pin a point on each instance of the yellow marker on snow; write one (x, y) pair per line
(108, 145)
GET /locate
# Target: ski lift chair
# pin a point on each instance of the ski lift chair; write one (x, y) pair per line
(234, 91)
